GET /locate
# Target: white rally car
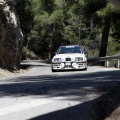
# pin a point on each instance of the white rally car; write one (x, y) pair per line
(69, 57)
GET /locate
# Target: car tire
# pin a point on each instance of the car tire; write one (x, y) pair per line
(53, 70)
(85, 68)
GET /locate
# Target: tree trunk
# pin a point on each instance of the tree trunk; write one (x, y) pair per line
(104, 41)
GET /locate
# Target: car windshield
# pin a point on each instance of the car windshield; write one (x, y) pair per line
(69, 49)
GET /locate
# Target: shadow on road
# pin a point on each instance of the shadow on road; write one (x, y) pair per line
(97, 109)
(56, 84)
(67, 85)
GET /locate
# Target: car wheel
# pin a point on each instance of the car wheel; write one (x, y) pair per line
(85, 68)
(53, 70)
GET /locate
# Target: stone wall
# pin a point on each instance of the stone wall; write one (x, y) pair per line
(10, 37)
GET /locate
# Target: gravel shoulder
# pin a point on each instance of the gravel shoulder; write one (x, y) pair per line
(6, 73)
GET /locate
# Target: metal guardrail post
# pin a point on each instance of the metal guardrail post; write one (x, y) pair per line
(118, 63)
(107, 63)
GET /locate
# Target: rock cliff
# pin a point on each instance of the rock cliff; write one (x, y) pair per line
(10, 37)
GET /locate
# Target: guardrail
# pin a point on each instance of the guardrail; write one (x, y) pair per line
(107, 59)
(90, 60)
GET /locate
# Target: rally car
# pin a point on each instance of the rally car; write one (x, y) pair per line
(69, 57)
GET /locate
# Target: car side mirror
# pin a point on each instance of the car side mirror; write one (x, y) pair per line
(55, 53)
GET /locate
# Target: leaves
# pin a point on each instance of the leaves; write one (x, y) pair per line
(108, 10)
(63, 22)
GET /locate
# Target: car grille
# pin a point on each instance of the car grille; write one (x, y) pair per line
(68, 66)
(68, 59)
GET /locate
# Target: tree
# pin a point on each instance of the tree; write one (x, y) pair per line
(41, 33)
(108, 14)
(61, 22)
(115, 33)
(24, 11)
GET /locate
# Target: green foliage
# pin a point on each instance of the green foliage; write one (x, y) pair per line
(47, 24)
(115, 29)
(23, 8)
(108, 10)
(56, 17)
(25, 15)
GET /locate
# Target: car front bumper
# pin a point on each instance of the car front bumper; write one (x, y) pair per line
(69, 65)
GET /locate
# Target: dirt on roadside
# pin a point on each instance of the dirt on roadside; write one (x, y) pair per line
(6, 73)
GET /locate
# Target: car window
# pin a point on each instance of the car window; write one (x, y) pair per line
(69, 49)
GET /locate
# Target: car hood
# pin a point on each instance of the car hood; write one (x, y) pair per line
(73, 55)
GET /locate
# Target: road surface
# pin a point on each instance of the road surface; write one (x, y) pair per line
(42, 95)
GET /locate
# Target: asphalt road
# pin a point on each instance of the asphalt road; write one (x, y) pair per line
(42, 95)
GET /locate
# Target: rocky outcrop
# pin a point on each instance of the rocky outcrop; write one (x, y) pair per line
(10, 37)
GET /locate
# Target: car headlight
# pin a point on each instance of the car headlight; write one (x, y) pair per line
(78, 59)
(57, 59)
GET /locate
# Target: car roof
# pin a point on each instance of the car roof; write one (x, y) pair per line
(71, 46)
